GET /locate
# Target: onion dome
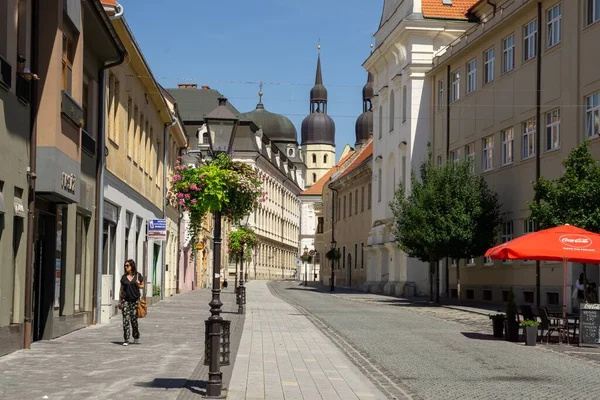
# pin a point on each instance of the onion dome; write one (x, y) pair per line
(277, 127)
(318, 127)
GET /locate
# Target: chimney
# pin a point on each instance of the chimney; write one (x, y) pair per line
(188, 86)
(205, 87)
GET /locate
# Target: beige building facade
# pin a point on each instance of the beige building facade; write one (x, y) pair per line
(485, 106)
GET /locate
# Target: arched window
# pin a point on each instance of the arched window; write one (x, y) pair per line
(404, 101)
(205, 138)
(314, 177)
(314, 158)
(380, 122)
(325, 159)
(392, 106)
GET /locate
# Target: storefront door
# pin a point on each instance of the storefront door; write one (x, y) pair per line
(44, 276)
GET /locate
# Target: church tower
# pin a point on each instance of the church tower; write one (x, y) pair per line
(318, 132)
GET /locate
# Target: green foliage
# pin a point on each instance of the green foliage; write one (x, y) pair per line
(155, 290)
(242, 240)
(530, 323)
(450, 212)
(572, 198)
(333, 254)
(224, 185)
(307, 258)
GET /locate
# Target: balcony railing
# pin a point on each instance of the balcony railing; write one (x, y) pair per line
(5, 73)
(23, 89)
(88, 143)
(71, 110)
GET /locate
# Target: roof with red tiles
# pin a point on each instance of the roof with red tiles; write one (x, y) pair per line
(317, 187)
(437, 9)
(363, 155)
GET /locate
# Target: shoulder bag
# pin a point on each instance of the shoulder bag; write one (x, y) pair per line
(142, 306)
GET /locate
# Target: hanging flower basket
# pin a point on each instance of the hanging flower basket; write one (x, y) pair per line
(334, 254)
(307, 258)
(240, 237)
(224, 185)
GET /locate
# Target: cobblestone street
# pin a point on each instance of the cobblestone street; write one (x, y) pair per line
(441, 353)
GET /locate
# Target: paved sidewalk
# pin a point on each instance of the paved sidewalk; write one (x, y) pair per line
(282, 355)
(92, 363)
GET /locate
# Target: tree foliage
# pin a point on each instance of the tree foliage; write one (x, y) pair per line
(450, 212)
(572, 198)
(242, 241)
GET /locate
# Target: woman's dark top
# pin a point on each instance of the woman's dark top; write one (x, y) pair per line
(131, 292)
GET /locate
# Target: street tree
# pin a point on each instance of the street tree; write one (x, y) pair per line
(572, 198)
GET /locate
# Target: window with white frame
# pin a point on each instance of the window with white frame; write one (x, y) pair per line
(440, 94)
(529, 138)
(508, 146)
(528, 226)
(470, 155)
(592, 115)
(507, 231)
(488, 153)
(553, 130)
(508, 53)
(593, 11)
(471, 76)
(455, 95)
(554, 17)
(392, 107)
(455, 155)
(529, 40)
(489, 57)
(439, 161)
(379, 184)
(404, 104)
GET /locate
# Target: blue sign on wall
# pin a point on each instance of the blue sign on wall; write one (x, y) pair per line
(157, 229)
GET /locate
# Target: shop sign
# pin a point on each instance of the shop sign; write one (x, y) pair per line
(68, 182)
(157, 229)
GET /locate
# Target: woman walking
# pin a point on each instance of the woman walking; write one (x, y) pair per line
(129, 295)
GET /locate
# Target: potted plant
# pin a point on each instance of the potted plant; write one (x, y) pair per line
(498, 324)
(531, 331)
(511, 325)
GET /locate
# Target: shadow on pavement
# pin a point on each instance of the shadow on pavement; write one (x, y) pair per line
(195, 386)
(480, 336)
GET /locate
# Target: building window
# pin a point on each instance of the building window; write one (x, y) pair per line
(529, 40)
(369, 196)
(439, 161)
(528, 297)
(507, 231)
(129, 124)
(470, 155)
(344, 212)
(471, 76)
(554, 16)
(528, 226)
(488, 153)
(592, 115)
(488, 70)
(380, 122)
(362, 199)
(355, 255)
(379, 184)
(404, 104)
(470, 294)
(593, 11)
(529, 138)
(362, 255)
(339, 212)
(314, 159)
(356, 201)
(487, 295)
(403, 174)
(508, 53)
(320, 225)
(455, 95)
(552, 298)
(553, 130)
(325, 159)
(440, 94)
(508, 146)
(392, 106)
(68, 55)
(350, 205)
(455, 155)
(314, 176)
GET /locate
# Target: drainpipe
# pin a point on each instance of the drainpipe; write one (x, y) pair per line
(538, 125)
(100, 165)
(164, 201)
(33, 109)
(448, 97)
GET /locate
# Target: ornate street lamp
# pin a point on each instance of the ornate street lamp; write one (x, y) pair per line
(333, 244)
(241, 292)
(305, 267)
(221, 125)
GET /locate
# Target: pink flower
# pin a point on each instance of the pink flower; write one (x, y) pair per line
(180, 195)
(181, 202)
(184, 166)
(187, 196)
(176, 177)
(193, 186)
(194, 201)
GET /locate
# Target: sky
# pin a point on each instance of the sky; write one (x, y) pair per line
(233, 45)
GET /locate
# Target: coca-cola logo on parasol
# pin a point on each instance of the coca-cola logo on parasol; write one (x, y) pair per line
(577, 241)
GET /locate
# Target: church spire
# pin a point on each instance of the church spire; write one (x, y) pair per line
(260, 95)
(318, 94)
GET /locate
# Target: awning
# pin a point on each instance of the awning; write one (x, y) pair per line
(19, 208)
(2, 208)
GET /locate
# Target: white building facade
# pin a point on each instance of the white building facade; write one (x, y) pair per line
(409, 35)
